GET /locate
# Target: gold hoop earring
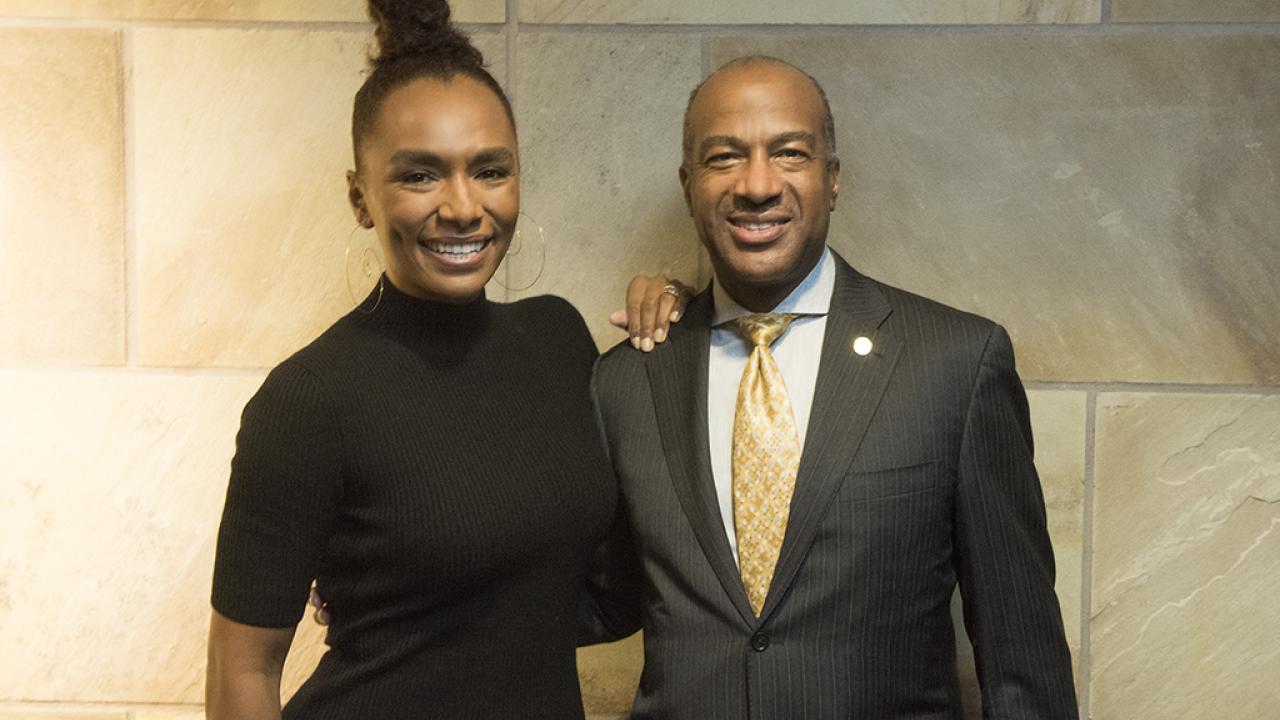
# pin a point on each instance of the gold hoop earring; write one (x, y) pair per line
(524, 274)
(362, 267)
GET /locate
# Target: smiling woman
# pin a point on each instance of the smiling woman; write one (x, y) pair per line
(431, 461)
(441, 189)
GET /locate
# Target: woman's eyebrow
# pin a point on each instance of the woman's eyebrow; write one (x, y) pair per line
(415, 157)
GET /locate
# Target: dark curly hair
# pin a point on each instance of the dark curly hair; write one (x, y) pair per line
(415, 40)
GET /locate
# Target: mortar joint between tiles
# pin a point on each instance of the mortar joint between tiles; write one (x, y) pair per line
(1086, 559)
(130, 305)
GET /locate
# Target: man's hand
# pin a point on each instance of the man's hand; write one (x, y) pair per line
(653, 303)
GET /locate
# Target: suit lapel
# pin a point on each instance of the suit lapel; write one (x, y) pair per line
(678, 379)
(848, 389)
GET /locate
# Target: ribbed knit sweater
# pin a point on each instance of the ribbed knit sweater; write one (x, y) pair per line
(437, 469)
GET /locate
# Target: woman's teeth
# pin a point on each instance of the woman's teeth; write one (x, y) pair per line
(457, 248)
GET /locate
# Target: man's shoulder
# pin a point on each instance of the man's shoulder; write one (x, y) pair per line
(932, 327)
(919, 308)
(620, 361)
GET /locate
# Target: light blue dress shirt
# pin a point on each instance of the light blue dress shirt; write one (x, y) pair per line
(797, 353)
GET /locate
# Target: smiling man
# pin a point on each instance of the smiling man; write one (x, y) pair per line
(814, 460)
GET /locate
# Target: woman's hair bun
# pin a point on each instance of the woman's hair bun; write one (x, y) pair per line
(407, 28)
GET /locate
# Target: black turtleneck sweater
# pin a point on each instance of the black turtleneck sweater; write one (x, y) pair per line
(437, 470)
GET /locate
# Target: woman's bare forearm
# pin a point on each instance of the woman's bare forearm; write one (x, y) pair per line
(245, 665)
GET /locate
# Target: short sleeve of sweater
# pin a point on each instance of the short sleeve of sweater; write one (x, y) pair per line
(281, 501)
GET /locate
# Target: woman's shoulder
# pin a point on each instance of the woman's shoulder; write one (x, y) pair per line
(330, 354)
(553, 321)
(550, 312)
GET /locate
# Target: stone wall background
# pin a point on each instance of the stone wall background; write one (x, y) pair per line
(1098, 175)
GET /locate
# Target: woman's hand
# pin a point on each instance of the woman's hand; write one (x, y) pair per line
(653, 303)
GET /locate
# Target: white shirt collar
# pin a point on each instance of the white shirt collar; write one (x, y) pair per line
(811, 297)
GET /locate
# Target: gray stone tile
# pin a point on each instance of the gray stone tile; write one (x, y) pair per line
(599, 119)
(821, 12)
(1186, 563)
(1109, 198)
(476, 11)
(1195, 11)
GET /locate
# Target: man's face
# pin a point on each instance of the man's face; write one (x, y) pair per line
(758, 185)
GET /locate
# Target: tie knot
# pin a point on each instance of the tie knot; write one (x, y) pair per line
(763, 328)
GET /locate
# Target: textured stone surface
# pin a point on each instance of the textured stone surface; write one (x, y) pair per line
(36, 712)
(304, 654)
(1186, 557)
(291, 10)
(599, 120)
(609, 674)
(191, 713)
(113, 487)
(61, 198)
(1058, 426)
(826, 12)
(1110, 198)
(242, 211)
(1195, 10)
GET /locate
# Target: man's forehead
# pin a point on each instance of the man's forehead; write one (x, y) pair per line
(757, 91)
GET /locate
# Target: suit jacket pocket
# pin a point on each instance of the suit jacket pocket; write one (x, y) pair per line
(893, 482)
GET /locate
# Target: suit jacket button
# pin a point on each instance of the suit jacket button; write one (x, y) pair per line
(759, 642)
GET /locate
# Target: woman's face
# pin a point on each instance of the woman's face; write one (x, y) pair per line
(439, 181)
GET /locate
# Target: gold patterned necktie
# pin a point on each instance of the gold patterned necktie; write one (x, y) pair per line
(766, 455)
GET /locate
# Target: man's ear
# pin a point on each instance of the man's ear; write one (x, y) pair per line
(355, 196)
(684, 186)
(833, 177)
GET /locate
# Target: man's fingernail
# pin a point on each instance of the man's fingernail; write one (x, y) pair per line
(646, 344)
(659, 335)
(675, 316)
(635, 341)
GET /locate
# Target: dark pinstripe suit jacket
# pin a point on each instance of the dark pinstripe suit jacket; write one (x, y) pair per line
(916, 473)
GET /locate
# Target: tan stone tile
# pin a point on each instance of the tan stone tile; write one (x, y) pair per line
(1195, 11)
(114, 482)
(161, 713)
(304, 655)
(1186, 557)
(599, 120)
(1058, 426)
(1110, 198)
(475, 11)
(609, 675)
(243, 142)
(821, 12)
(46, 712)
(61, 198)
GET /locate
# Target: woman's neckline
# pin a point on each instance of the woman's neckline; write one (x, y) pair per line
(388, 305)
